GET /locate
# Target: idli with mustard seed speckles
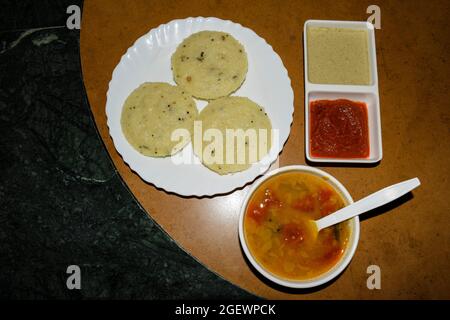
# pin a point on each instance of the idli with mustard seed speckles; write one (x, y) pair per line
(242, 135)
(210, 64)
(152, 112)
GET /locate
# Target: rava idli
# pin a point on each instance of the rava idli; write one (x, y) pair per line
(236, 132)
(150, 115)
(210, 64)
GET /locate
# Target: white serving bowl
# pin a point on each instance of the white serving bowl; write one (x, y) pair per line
(343, 261)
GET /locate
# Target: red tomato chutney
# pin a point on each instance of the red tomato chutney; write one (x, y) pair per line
(339, 129)
(277, 231)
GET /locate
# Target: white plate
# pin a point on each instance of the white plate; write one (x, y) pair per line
(267, 83)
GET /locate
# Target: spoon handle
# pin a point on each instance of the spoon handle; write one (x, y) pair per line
(368, 203)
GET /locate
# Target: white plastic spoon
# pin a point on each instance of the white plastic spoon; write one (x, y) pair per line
(368, 203)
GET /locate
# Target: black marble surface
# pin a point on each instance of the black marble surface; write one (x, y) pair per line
(61, 200)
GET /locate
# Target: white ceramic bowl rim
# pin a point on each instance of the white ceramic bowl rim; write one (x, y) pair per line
(330, 274)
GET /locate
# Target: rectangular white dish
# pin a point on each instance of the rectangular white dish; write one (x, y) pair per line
(362, 93)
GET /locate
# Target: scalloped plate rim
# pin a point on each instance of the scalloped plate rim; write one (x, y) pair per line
(192, 193)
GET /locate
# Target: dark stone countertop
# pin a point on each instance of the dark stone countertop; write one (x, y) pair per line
(61, 200)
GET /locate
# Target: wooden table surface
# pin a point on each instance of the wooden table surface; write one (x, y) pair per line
(410, 241)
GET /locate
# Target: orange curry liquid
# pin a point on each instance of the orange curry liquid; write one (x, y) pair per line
(276, 232)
